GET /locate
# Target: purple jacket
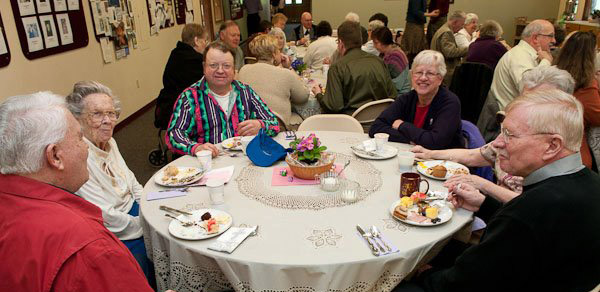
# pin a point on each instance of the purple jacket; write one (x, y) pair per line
(486, 50)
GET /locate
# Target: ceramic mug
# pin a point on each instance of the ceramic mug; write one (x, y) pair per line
(410, 182)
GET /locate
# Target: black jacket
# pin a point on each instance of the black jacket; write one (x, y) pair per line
(298, 32)
(184, 68)
(442, 127)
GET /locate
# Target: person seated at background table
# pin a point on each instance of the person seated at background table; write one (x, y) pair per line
(369, 47)
(279, 20)
(323, 47)
(280, 35)
(444, 42)
(229, 33)
(393, 57)
(466, 35)
(217, 107)
(351, 16)
(305, 32)
(578, 57)
(53, 240)
(278, 87)
(381, 17)
(264, 28)
(428, 115)
(183, 68)
(508, 185)
(540, 240)
(486, 48)
(112, 186)
(356, 78)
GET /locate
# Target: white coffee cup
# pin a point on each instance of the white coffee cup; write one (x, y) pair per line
(216, 191)
(380, 140)
(245, 141)
(205, 158)
(406, 159)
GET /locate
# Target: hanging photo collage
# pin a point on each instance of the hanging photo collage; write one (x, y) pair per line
(114, 24)
(161, 14)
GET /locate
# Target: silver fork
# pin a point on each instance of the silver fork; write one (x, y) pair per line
(229, 153)
(376, 234)
(184, 223)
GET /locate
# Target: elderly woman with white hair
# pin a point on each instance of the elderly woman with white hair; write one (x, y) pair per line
(112, 186)
(466, 35)
(428, 115)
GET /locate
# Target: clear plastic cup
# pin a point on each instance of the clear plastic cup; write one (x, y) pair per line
(216, 189)
(406, 159)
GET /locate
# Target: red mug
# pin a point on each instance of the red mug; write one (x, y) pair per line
(410, 182)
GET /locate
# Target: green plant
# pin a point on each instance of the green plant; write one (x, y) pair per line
(308, 149)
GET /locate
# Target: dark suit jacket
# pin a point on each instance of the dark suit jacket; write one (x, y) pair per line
(298, 32)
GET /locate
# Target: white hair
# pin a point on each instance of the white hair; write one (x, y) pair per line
(547, 75)
(351, 16)
(28, 124)
(551, 110)
(457, 15)
(431, 57)
(534, 27)
(75, 100)
(471, 17)
(375, 24)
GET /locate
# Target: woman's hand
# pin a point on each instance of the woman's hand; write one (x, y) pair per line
(285, 61)
(208, 146)
(249, 127)
(421, 152)
(465, 196)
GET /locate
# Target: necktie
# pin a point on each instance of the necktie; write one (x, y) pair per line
(306, 32)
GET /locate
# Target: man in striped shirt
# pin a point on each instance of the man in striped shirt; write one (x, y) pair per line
(217, 107)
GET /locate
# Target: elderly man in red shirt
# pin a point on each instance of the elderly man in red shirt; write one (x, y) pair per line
(53, 240)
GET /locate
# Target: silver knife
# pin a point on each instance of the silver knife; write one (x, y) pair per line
(366, 237)
(169, 209)
(365, 151)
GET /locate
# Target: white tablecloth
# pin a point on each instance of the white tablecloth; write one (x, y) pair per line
(307, 249)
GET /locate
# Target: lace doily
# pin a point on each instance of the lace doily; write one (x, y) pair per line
(250, 184)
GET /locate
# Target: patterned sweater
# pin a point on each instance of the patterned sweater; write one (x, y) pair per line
(198, 118)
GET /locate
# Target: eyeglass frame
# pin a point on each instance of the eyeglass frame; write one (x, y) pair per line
(216, 66)
(551, 35)
(98, 116)
(507, 136)
(428, 75)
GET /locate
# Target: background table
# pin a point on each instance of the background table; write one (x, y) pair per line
(295, 249)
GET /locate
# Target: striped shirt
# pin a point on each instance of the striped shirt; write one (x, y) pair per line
(197, 117)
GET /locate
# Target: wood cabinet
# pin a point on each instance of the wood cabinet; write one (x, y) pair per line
(582, 26)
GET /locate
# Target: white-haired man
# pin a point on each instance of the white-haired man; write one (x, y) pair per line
(53, 240)
(444, 42)
(369, 47)
(305, 32)
(533, 50)
(546, 239)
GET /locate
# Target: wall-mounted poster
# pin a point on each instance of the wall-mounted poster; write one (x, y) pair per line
(33, 33)
(73, 4)
(43, 6)
(60, 5)
(64, 28)
(3, 47)
(161, 14)
(218, 10)
(26, 7)
(49, 30)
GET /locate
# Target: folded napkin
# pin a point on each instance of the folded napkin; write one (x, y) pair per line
(223, 173)
(231, 239)
(289, 180)
(379, 244)
(165, 195)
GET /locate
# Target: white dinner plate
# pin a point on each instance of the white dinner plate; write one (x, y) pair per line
(445, 213)
(196, 232)
(452, 167)
(186, 176)
(386, 153)
(233, 143)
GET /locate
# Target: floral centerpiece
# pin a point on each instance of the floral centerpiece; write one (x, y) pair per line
(309, 158)
(299, 66)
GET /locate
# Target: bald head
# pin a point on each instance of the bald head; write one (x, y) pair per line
(306, 20)
(539, 34)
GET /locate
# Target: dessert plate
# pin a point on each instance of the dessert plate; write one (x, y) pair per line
(444, 213)
(195, 232)
(451, 167)
(185, 176)
(233, 143)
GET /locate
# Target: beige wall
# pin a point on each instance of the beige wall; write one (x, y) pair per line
(136, 79)
(503, 11)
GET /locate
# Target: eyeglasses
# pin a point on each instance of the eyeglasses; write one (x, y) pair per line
(98, 117)
(548, 35)
(508, 136)
(429, 75)
(215, 66)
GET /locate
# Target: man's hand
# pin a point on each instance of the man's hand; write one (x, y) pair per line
(421, 152)
(327, 61)
(249, 127)
(472, 180)
(544, 55)
(465, 196)
(302, 41)
(434, 13)
(397, 124)
(208, 146)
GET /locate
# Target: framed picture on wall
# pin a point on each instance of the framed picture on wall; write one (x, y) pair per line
(218, 10)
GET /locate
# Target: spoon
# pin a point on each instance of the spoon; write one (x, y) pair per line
(345, 165)
(375, 233)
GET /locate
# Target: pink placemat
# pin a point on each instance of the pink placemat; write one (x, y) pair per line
(278, 180)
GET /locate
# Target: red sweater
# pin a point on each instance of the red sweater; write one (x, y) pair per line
(590, 98)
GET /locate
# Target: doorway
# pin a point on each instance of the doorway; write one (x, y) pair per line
(294, 8)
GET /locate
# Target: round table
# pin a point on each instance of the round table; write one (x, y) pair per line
(298, 247)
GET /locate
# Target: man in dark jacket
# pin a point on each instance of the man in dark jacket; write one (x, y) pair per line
(184, 68)
(306, 30)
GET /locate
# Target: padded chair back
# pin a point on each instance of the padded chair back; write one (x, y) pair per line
(282, 125)
(475, 140)
(471, 83)
(331, 122)
(593, 139)
(368, 112)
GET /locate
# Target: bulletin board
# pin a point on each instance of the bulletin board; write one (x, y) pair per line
(161, 14)
(4, 49)
(48, 27)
